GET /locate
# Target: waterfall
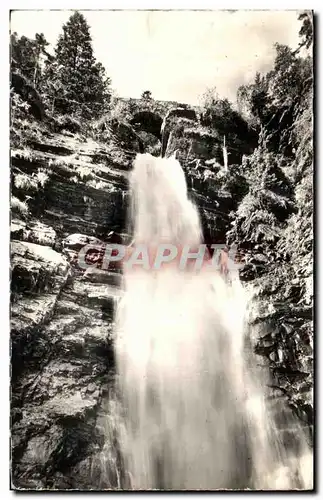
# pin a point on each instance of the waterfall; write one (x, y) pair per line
(195, 407)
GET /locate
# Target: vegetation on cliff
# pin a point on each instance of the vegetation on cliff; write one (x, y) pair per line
(274, 221)
(70, 81)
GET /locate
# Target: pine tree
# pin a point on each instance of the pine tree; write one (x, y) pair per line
(84, 80)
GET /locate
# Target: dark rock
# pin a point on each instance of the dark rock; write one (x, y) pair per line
(173, 117)
(149, 122)
(61, 393)
(28, 93)
(52, 148)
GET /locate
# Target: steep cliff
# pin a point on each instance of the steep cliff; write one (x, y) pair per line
(68, 191)
(61, 317)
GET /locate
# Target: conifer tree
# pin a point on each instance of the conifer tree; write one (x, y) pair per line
(83, 79)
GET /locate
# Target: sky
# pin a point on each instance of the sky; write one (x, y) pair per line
(177, 55)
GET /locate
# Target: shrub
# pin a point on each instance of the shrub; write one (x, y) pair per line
(67, 122)
(18, 206)
(25, 182)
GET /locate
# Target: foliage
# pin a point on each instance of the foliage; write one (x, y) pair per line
(306, 32)
(252, 101)
(298, 238)
(274, 221)
(76, 72)
(220, 115)
(18, 206)
(273, 101)
(27, 56)
(280, 172)
(146, 95)
(151, 143)
(262, 212)
(121, 110)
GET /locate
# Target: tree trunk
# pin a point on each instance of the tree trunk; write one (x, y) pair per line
(225, 155)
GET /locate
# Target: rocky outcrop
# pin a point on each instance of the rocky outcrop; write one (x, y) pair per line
(69, 191)
(62, 316)
(75, 193)
(194, 143)
(152, 105)
(84, 187)
(122, 133)
(173, 121)
(57, 399)
(216, 190)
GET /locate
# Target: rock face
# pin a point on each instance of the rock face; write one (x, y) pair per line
(57, 398)
(172, 121)
(72, 192)
(152, 105)
(194, 143)
(215, 189)
(61, 316)
(124, 135)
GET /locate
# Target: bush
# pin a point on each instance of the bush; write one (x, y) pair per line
(19, 207)
(25, 183)
(67, 122)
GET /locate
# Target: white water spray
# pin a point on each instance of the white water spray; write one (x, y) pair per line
(195, 413)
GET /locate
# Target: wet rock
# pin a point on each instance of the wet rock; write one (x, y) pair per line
(77, 241)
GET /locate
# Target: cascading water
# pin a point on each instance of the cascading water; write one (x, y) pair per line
(195, 413)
